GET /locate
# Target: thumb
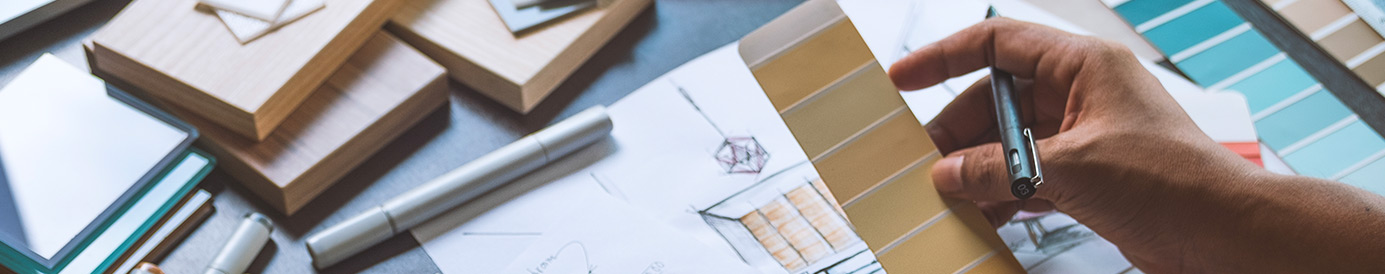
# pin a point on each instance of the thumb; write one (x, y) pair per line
(977, 173)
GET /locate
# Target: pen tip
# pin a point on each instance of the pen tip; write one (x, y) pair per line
(990, 12)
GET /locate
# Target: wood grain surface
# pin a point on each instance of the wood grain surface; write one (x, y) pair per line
(381, 91)
(517, 70)
(189, 58)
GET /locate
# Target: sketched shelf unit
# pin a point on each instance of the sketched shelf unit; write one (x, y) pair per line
(788, 222)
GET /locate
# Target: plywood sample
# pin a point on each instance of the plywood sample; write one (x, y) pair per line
(381, 91)
(187, 57)
(517, 70)
(867, 146)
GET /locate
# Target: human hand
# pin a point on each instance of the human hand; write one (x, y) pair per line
(1119, 154)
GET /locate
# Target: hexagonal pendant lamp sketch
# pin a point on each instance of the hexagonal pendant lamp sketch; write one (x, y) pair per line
(737, 154)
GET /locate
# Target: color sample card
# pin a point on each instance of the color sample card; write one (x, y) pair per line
(868, 147)
(1303, 123)
(247, 28)
(1344, 29)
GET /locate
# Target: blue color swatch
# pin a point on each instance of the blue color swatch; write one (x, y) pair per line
(1333, 154)
(1228, 58)
(1369, 177)
(1300, 119)
(1274, 84)
(1192, 28)
(1337, 151)
(1139, 12)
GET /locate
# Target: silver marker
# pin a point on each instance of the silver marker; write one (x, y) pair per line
(245, 243)
(336, 243)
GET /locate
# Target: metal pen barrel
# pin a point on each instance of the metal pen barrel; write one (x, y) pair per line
(458, 186)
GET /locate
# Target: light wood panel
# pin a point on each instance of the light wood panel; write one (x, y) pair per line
(870, 151)
(188, 58)
(382, 90)
(517, 70)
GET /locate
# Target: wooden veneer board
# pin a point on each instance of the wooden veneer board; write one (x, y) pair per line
(516, 69)
(382, 90)
(1340, 32)
(189, 58)
(870, 151)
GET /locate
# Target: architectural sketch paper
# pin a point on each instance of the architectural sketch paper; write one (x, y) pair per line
(665, 158)
(662, 157)
(605, 235)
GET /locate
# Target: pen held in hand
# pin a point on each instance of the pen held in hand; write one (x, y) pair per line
(1021, 153)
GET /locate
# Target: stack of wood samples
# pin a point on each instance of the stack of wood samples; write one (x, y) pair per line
(518, 70)
(187, 57)
(383, 89)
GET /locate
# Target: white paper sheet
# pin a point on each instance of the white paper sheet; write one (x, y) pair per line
(662, 158)
(247, 28)
(603, 235)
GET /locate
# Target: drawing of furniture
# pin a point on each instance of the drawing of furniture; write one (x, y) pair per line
(789, 223)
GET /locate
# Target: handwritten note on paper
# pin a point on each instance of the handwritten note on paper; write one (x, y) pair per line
(605, 235)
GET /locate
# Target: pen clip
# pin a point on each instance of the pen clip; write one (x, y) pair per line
(1038, 178)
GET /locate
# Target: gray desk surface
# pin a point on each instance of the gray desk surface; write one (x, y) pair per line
(668, 34)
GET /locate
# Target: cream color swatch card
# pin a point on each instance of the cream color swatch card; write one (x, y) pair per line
(267, 10)
(867, 146)
(247, 28)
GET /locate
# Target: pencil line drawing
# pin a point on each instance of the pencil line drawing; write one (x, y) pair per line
(737, 154)
(786, 220)
(1059, 238)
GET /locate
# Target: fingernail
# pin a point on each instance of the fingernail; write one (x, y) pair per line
(947, 174)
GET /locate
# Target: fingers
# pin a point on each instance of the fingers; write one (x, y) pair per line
(1015, 46)
(999, 213)
(980, 173)
(969, 119)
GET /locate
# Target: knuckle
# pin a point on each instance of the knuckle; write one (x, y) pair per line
(1104, 49)
(987, 171)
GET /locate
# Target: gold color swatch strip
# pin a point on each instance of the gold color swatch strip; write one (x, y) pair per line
(870, 151)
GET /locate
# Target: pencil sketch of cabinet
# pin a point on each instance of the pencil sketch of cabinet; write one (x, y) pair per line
(787, 222)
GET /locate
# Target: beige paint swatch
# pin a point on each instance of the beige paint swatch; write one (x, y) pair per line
(247, 28)
(870, 151)
(1342, 34)
(267, 10)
